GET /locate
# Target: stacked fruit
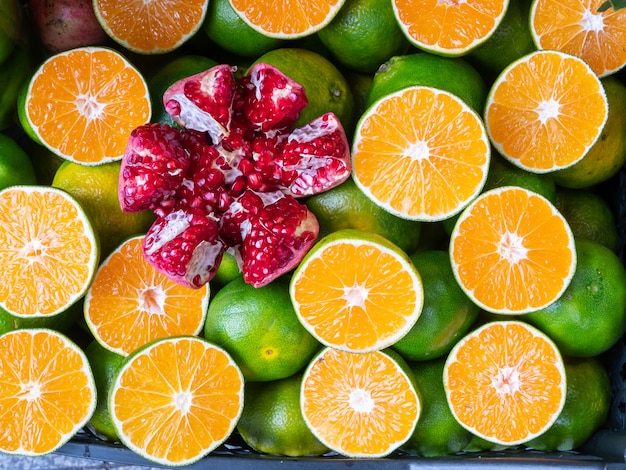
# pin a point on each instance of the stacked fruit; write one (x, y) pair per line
(364, 228)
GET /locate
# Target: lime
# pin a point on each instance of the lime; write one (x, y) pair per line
(588, 215)
(14, 74)
(586, 409)
(364, 34)
(15, 165)
(95, 188)
(447, 314)
(346, 206)
(10, 24)
(104, 365)
(590, 316)
(225, 28)
(271, 421)
(437, 433)
(454, 75)
(226, 272)
(326, 88)
(608, 155)
(510, 41)
(260, 329)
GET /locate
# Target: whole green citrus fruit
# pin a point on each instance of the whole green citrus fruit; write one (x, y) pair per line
(260, 329)
(15, 165)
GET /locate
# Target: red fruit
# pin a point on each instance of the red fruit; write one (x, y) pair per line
(269, 231)
(66, 24)
(229, 177)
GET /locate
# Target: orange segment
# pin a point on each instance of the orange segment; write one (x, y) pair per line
(129, 303)
(505, 382)
(176, 399)
(579, 28)
(449, 27)
(287, 19)
(82, 104)
(47, 393)
(359, 405)
(512, 252)
(356, 292)
(545, 111)
(153, 27)
(48, 251)
(420, 153)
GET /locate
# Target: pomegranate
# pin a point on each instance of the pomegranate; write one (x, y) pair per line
(228, 178)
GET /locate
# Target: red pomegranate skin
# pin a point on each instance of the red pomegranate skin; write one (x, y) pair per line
(65, 24)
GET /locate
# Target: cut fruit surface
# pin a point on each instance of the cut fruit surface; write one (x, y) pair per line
(287, 19)
(153, 27)
(420, 153)
(505, 382)
(130, 303)
(83, 103)
(449, 27)
(48, 392)
(176, 399)
(356, 291)
(581, 28)
(545, 111)
(359, 405)
(48, 251)
(512, 252)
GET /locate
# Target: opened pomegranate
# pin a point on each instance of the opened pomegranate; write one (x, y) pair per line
(229, 177)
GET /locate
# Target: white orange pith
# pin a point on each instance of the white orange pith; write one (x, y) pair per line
(359, 405)
(130, 303)
(512, 252)
(505, 382)
(449, 27)
(83, 103)
(581, 28)
(176, 399)
(545, 111)
(48, 251)
(47, 393)
(420, 153)
(356, 292)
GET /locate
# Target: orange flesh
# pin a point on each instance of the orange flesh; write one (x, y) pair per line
(505, 382)
(130, 303)
(83, 104)
(287, 18)
(350, 305)
(178, 399)
(576, 27)
(422, 154)
(359, 404)
(47, 392)
(546, 112)
(513, 252)
(450, 26)
(47, 252)
(154, 26)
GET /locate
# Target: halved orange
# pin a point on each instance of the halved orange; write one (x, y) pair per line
(287, 19)
(449, 27)
(48, 392)
(48, 251)
(505, 382)
(83, 103)
(545, 111)
(420, 153)
(153, 27)
(359, 405)
(176, 399)
(512, 252)
(356, 291)
(582, 28)
(130, 303)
